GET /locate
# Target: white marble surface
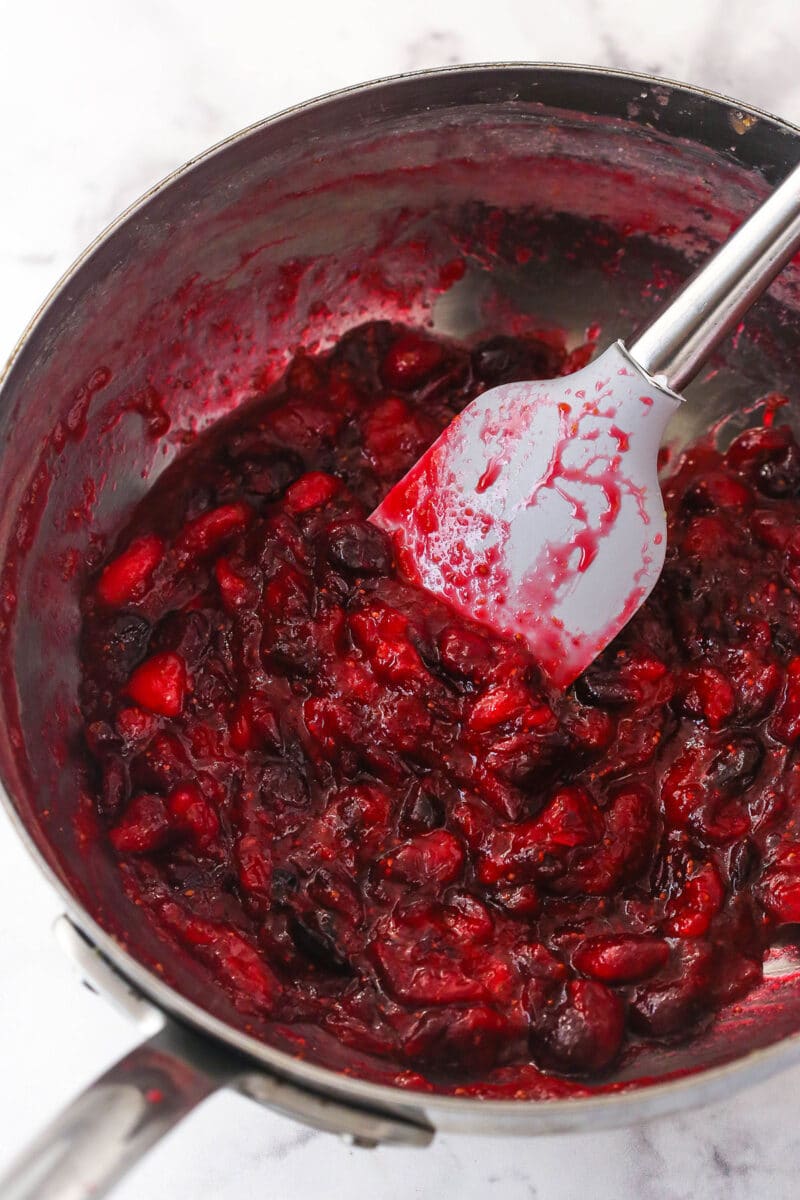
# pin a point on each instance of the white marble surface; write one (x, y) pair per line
(98, 100)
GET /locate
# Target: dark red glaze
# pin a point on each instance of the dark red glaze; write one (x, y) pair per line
(362, 812)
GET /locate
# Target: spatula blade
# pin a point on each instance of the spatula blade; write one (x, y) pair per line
(538, 511)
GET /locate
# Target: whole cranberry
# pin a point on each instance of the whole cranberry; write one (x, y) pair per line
(421, 811)
(623, 958)
(143, 827)
(267, 476)
(585, 1034)
(119, 644)
(678, 996)
(314, 934)
(505, 359)
(160, 684)
(410, 360)
(458, 1039)
(737, 763)
(718, 490)
(127, 576)
(606, 688)
(358, 546)
(770, 457)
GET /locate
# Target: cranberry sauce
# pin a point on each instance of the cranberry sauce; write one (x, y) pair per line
(361, 812)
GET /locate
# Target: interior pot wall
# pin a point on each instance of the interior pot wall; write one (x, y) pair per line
(284, 238)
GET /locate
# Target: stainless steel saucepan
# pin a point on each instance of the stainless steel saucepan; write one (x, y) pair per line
(565, 196)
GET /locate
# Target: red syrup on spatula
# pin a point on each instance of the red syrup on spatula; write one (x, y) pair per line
(535, 514)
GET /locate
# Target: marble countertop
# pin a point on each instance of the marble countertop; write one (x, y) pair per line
(97, 101)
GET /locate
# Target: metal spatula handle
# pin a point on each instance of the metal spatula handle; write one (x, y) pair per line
(679, 341)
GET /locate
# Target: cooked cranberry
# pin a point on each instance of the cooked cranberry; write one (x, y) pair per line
(211, 529)
(690, 912)
(395, 436)
(423, 976)
(134, 724)
(266, 472)
(678, 996)
(785, 724)
(334, 890)
(570, 819)
(191, 812)
(234, 588)
(522, 852)
(143, 827)
(771, 457)
(464, 1041)
(507, 359)
(432, 857)
(523, 900)
(118, 644)
(590, 730)
(780, 894)
(235, 962)
(756, 681)
(464, 652)
(772, 528)
(705, 536)
(359, 547)
(366, 816)
(254, 724)
(421, 811)
(306, 423)
(160, 684)
(525, 759)
(624, 850)
(708, 695)
(410, 360)
(586, 1032)
(496, 706)
(254, 867)
(755, 446)
(736, 765)
(606, 688)
(126, 577)
(696, 794)
(186, 634)
(468, 919)
(162, 764)
(311, 491)
(315, 937)
(622, 959)
(718, 490)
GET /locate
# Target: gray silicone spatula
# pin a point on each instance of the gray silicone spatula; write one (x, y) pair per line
(538, 511)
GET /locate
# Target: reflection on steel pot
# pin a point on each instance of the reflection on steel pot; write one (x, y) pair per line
(360, 200)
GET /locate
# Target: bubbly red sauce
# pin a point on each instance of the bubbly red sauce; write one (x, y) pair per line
(362, 812)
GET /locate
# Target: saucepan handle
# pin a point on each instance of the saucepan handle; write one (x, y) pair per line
(112, 1124)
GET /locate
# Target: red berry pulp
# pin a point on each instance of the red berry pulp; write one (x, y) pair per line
(362, 813)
